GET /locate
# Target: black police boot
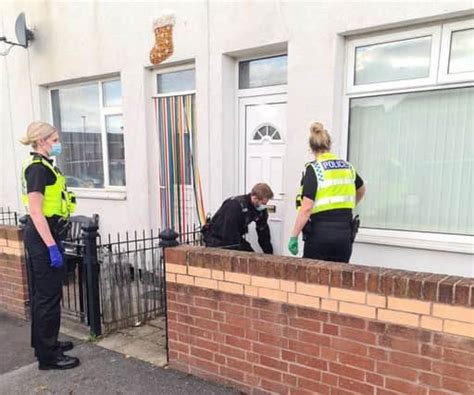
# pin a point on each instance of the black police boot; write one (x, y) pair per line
(65, 346)
(60, 363)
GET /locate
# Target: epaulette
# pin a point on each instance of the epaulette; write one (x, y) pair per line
(241, 202)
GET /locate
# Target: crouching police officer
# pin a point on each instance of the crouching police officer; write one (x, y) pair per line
(49, 205)
(330, 189)
(229, 225)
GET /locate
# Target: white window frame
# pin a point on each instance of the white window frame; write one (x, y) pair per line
(173, 69)
(448, 30)
(108, 192)
(434, 32)
(400, 238)
(240, 140)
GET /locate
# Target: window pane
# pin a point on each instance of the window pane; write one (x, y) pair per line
(394, 61)
(416, 154)
(177, 81)
(115, 145)
(263, 72)
(461, 58)
(112, 91)
(76, 114)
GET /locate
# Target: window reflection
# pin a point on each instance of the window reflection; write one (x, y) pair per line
(177, 81)
(263, 72)
(393, 61)
(112, 91)
(461, 58)
(116, 149)
(76, 114)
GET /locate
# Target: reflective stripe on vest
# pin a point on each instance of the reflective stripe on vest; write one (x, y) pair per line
(56, 200)
(334, 199)
(336, 184)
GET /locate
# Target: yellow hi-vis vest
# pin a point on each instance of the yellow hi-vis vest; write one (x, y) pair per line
(57, 199)
(336, 184)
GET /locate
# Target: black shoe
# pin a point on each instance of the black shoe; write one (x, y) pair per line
(65, 346)
(60, 363)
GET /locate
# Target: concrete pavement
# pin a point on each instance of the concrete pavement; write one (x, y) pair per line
(102, 371)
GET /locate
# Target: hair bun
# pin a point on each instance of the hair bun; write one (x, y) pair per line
(317, 127)
(25, 141)
(37, 130)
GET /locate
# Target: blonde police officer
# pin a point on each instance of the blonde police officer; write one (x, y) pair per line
(49, 205)
(330, 189)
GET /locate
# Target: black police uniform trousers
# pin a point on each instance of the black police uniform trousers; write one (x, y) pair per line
(45, 284)
(329, 241)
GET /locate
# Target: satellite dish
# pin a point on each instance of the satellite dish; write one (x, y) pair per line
(23, 34)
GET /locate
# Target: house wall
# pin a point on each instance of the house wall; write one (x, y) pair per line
(269, 324)
(77, 41)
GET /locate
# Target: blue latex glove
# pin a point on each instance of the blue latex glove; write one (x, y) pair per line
(55, 256)
(293, 245)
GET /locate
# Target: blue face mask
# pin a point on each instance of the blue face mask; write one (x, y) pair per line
(56, 149)
(261, 207)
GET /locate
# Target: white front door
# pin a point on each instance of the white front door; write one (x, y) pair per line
(263, 123)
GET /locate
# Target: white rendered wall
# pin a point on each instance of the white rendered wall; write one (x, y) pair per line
(76, 41)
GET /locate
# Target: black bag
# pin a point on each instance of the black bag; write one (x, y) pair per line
(355, 227)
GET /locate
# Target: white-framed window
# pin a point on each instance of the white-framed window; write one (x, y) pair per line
(179, 80)
(457, 52)
(263, 72)
(390, 61)
(89, 119)
(411, 135)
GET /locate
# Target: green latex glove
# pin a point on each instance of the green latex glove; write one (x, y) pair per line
(293, 245)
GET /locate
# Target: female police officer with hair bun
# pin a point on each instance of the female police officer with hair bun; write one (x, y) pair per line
(330, 189)
(49, 206)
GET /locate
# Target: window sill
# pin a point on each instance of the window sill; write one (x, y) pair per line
(426, 241)
(101, 194)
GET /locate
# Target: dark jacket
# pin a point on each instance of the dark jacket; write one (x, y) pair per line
(229, 225)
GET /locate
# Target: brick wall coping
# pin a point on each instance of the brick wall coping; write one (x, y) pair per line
(430, 287)
(11, 241)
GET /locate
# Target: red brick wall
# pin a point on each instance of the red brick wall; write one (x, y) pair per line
(273, 346)
(13, 276)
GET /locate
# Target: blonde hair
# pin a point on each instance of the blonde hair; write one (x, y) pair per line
(262, 191)
(37, 130)
(319, 139)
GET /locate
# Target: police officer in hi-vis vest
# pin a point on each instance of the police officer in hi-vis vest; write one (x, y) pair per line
(49, 205)
(330, 189)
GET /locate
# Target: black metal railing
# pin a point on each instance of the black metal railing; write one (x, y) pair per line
(117, 281)
(132, 276)
(8, 216)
